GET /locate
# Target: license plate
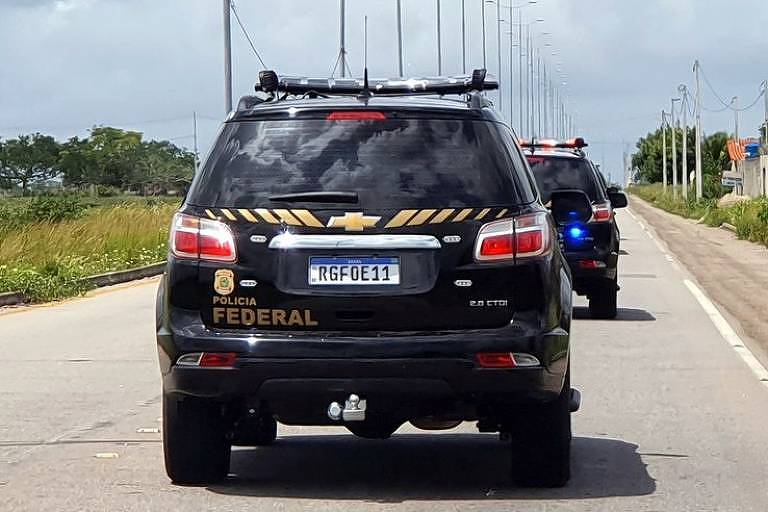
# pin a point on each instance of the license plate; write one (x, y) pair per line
(354, 271)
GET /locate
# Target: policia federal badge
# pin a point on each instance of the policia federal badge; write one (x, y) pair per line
(224, 281)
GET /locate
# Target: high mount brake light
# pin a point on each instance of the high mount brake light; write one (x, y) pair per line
(525, 236)
(204, 239)
(602, 212)
(356, 115)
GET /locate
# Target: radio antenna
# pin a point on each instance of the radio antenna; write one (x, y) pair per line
(366, 93)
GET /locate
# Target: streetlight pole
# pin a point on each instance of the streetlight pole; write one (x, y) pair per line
(400, 36)
(227, 59)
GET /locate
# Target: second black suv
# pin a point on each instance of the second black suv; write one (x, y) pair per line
(359, 259)
(591, 248)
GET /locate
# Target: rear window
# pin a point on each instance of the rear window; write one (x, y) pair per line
(394, 163)
(552, 173)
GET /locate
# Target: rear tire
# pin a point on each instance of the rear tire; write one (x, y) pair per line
(603, 302)
(196, 449)
(541, 443)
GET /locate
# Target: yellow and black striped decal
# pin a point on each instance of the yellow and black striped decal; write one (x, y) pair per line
(356, 221)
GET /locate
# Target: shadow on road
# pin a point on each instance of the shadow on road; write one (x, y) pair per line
(423, 467)
(624, 315)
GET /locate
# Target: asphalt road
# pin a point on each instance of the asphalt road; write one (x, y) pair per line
(672, 419)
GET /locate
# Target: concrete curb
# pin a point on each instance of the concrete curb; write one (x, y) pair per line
(99, 281)
(11, 298)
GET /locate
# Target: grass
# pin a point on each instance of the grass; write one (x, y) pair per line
(750, 218)
(48, 259)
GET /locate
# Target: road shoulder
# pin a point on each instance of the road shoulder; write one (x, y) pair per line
(732, 272)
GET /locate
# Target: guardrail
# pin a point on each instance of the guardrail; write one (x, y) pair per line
(98, 281)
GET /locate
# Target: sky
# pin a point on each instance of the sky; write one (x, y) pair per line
(147, 65)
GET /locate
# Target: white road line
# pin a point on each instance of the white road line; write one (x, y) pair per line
(727, 332)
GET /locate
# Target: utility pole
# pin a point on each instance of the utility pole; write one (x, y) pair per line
(439, 43)
(684, 91)
(463, 36)
(400, 36)
(674, 148)
(194, 125)
(735, 107)
(227, 59)
(342, 39)
(699, 169)
(664, 150)
(485, 54)
(498, 51)
(765, 97)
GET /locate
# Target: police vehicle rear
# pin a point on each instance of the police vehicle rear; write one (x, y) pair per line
(365, 254)
(591, 248)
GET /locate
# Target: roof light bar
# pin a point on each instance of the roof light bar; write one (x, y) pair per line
(478, 81)
(577, 143)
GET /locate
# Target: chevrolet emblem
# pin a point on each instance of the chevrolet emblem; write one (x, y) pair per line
(355, 221)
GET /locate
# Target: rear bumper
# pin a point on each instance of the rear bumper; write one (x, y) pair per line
(296, 368)
(587, 279)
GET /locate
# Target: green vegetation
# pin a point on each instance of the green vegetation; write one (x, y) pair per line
(714, 158)
(750, 218)
(108, 163)
(49, 244)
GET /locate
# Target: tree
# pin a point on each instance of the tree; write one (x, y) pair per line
(648, 159)
(29, 159)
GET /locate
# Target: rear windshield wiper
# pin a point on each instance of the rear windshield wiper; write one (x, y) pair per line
(318, 197)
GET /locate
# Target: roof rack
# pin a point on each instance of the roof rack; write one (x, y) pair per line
(461, 84)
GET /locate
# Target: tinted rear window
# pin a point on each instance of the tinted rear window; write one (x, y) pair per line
(395, 163)
(562, 173)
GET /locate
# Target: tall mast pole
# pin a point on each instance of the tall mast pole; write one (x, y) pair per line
(684, 104)
(674, 148)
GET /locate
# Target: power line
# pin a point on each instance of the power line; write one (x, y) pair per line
(245, 33)
(725, 104)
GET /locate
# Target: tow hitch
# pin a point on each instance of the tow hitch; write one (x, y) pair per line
(354, 409)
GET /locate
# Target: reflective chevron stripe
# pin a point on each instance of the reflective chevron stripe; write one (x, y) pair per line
(247, 215)
(401, 218)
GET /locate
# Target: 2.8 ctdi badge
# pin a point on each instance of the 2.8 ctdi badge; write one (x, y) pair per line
(224, 281)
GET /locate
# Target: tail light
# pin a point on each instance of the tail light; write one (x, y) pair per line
(525, 236)
(601, 212)
(204, 239)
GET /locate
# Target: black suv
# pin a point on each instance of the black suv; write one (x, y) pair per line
(365, 260)
(591, 248)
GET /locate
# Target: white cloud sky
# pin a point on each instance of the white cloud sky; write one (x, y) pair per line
(147, 64)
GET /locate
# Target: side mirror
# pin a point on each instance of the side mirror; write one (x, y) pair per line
(570, 206)
(618, 199)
